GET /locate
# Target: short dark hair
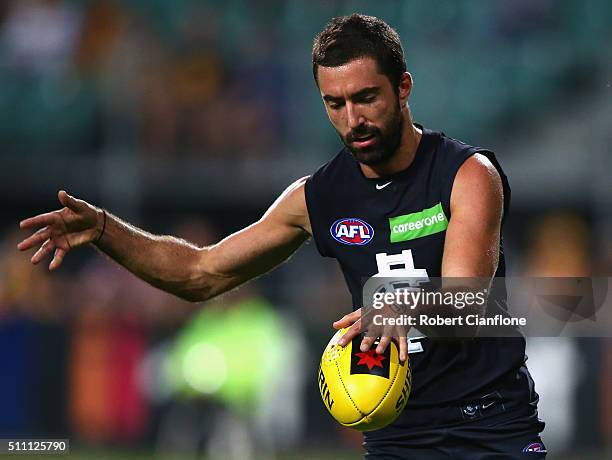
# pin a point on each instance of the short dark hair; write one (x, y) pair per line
(347, 38)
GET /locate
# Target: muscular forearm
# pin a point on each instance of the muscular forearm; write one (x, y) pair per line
(172, 264)
(165, 262)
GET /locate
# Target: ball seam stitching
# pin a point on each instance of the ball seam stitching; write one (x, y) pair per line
(389, 389)
(348, 394)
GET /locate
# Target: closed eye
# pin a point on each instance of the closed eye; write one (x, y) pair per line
(364, 96)
(366, 99)
(333, 103)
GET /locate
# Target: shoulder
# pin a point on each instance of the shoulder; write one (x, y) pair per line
(477, 181)
(293, 197)
(290, 206)
(464, 171)
(479, 167)
(449, 155)
(296, 188)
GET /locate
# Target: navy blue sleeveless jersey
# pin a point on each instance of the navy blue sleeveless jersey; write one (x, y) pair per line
(352, 219)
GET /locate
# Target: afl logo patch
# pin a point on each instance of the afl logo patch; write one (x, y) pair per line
(350, 230)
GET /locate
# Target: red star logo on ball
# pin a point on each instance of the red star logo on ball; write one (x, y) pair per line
(370, 358)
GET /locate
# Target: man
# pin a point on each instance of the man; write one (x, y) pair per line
(471, 399)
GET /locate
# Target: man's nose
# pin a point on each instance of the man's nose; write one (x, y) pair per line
(354, 118)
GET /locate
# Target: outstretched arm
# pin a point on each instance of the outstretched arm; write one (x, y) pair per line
(169, 263)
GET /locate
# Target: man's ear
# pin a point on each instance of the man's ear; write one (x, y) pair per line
(405, 87)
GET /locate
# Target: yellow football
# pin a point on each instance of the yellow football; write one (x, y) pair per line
(365, 391)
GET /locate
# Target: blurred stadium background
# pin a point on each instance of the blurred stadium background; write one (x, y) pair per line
(189, 117)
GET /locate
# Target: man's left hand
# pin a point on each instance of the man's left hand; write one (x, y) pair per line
(353, 321)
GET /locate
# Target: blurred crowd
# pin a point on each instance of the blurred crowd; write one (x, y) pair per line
(161, 77)
(232, 79)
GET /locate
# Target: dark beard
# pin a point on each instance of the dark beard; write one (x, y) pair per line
(386, 145)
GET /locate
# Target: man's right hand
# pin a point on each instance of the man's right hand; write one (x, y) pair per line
(76, 224)
(174, 265)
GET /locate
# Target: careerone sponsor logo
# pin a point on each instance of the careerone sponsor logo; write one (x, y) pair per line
(418, 224)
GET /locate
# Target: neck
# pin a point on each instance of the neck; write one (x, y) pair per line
(403, 158)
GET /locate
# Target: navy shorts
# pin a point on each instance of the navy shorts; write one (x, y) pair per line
(502, 436)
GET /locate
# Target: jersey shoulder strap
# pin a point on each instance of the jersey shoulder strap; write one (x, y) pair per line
(324, 182)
